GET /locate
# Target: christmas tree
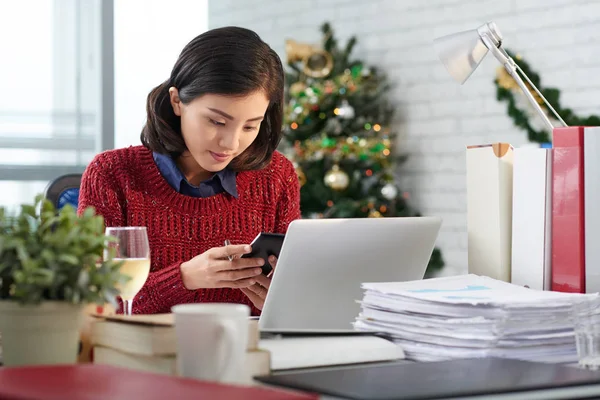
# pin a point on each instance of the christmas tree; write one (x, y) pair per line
(337, 132)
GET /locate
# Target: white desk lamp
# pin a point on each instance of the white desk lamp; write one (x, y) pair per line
(462, 52)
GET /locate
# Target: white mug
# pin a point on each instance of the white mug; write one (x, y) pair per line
(211, 341)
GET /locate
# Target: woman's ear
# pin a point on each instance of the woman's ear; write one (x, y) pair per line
(175, 101)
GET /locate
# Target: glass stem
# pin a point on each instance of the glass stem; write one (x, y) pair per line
(127, 307)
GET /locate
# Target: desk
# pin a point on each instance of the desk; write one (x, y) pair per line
(589, 391)
(498, 376)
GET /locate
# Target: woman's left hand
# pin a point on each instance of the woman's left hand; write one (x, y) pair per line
(257, 293)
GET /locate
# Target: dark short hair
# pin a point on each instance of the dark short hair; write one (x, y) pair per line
(227, 61)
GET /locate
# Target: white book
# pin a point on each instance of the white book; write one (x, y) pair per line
(319, 351)
(489, 209)
(591, 182)
(257, 362)
(532, 218)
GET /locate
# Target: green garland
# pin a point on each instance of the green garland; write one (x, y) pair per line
(506, 91)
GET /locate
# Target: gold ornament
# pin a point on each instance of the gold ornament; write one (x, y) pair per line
(301, 176)
(507, 82)
(336, 178)
(375, 214)
(297, 87)
(317, 62)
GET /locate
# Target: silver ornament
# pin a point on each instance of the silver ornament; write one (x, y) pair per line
(389, 191)
(345, 110)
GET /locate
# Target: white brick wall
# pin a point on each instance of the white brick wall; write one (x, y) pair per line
(436, 117)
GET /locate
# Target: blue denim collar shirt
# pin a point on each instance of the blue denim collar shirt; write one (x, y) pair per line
(222, 181)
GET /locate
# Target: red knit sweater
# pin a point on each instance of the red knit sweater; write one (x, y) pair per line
(127, 189)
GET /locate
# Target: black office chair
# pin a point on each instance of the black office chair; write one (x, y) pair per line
(64, 190)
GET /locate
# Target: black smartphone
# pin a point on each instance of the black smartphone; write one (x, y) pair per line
(265, 245)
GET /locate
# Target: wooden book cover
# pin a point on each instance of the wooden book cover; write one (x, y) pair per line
(257, 362)
(152, 334)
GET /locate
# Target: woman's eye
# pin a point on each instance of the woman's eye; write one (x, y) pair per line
(251, 128)
(212, 121)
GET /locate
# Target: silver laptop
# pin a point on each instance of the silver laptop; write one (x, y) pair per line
(323, 262)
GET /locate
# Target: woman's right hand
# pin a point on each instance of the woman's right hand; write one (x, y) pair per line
(213, 268)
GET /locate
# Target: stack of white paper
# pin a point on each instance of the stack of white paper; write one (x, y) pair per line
(471, 316)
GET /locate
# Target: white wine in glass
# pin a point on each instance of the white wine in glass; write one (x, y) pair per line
(132, 249)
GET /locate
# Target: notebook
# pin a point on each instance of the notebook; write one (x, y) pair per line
(462, 378)
(294, 352)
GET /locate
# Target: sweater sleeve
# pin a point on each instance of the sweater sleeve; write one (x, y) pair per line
(163, 289)
(97, 191)
(288, 205)
(164, 286)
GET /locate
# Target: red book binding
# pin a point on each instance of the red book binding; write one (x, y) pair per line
(99, 382)
(568, 235)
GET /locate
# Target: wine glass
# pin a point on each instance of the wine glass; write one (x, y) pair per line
(132, 249)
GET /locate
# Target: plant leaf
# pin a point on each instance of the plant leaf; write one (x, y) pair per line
(55, 255)
(68, 259)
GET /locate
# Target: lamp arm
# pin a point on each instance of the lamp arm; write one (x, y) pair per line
(511, 67)
(558, 117)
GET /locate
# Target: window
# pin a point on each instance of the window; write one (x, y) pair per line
(56, 80)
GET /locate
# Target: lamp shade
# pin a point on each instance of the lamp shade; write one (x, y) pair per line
(461, 53)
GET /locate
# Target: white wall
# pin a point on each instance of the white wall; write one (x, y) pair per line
(436, 117)
(149, 35)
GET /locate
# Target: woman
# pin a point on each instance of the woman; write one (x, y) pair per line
(208, 171)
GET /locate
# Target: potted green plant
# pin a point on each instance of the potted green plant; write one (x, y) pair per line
(52, 264)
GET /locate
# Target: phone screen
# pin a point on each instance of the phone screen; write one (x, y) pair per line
(265, 245)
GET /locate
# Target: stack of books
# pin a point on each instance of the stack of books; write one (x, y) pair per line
(532, 211)
(472, 316)
(148, 343)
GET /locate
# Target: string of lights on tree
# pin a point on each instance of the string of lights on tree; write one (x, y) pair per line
(337, 132)
(345, 138)
(521, 112)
